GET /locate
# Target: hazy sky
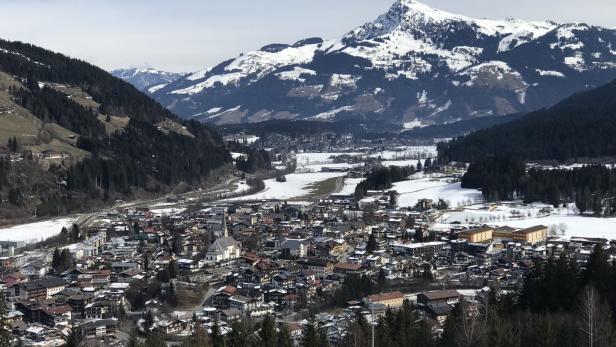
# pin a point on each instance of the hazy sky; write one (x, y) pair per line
(187, 35)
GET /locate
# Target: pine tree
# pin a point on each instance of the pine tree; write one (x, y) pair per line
(171, 296)
(74, 338)
(148, 321)
(56, 259)
(173, 269)
(5, 334)
(310, 334)
(371, 246)
(283, 338)
(240, 334)
(268, 331)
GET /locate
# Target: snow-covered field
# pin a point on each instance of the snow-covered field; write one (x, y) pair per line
(35, 232)
(435, 188)
(297, 185)
(575, 225)
(566, 220)
(349, 185)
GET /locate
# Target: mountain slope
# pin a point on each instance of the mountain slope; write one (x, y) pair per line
(412, 66)
(146, 79)
(91, 136)
(582, 126)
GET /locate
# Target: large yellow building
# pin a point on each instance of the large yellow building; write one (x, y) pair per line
(477, 235)
(532, 235)
(391, 299)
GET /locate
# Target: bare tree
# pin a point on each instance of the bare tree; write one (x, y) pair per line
(595, 319)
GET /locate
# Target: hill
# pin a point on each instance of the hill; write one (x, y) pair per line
(413, 66)
(581, 126)
(73, 136)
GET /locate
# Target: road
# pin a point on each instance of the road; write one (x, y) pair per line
(212, 193)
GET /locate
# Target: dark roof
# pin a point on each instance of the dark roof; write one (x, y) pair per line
(441, 294)
(439, 309)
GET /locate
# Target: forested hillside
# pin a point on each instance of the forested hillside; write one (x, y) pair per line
(582, 126)
(127, 141)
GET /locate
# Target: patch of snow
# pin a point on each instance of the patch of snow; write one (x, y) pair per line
(550, 73)
(343, 80)
(413, 124)
(331, 114)
(576, 62)
(296, 186)
(198, 75)
(294, 75)
(155, 88)
(35, 232)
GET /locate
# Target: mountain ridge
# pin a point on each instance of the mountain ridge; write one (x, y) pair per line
(413, 66)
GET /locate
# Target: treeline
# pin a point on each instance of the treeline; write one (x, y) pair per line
(32, 64)
(5, 171)
(258, 160)
(382, 178)
(582, 126)
(591, 187)
(141, 153)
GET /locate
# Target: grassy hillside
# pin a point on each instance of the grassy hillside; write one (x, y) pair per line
(95, 137)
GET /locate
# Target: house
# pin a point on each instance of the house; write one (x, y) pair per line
(418, 249)
(321, 267)
(243, 304)
(36, 269)
(171, 327)
(390, 300)
(450, 297)
(188, 265)
(99, 328)
(347, 268)
(43, 288)
(224, 249)
(295, 247)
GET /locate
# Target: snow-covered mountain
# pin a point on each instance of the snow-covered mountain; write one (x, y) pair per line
(413, 66)
(146, 79)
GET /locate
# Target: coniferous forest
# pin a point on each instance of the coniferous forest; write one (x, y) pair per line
(582, 126)
(592, 188)
(138, 157)
(382, 178)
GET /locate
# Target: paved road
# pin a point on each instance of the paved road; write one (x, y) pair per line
(84, 220)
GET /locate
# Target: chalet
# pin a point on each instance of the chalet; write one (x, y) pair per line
(450, 297)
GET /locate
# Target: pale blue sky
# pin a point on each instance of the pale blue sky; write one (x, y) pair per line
(187, 35)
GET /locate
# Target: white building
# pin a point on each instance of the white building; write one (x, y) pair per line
(224, 249)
